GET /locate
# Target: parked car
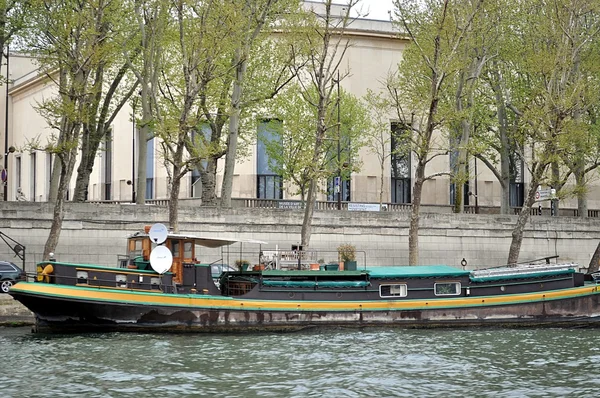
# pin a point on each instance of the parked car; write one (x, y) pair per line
(217, 269)
(9, 275)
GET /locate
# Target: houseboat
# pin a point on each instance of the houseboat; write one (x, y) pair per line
(161, 286)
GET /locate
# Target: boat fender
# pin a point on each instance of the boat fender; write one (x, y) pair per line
(48, 270)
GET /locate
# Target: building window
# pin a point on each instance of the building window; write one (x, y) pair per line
(400, 164)
(395, 290)
(18, 169)
(338, 161)
(269, 185)
(447, 289)
(107, 166)
(517, 185)
(345, 190)
(33, 176)
(196, 184)
(150, 169)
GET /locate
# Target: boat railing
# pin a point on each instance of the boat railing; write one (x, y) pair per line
(97, 277)
(523, 269)
(305, 259)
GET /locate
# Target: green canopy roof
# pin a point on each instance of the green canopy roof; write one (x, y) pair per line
(418, 271)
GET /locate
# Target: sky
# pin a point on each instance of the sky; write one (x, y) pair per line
(378, 9)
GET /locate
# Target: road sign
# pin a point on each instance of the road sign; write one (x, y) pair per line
(3, 175)
(544, 194)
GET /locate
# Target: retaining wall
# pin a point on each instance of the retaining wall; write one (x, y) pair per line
(96, 233)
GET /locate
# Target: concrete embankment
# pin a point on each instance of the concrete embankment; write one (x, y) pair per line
(96, 233)
(13, 313)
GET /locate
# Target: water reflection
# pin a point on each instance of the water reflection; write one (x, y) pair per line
(320, 363)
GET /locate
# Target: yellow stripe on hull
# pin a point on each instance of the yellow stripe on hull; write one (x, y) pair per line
(229, 303)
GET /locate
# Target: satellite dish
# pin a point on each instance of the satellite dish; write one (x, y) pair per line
(158, 233)
(161, 259)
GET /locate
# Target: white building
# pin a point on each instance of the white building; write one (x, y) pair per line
(376, 50)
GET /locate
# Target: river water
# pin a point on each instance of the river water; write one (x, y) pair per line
(319, 363)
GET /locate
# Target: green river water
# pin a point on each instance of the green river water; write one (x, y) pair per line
(318, 363)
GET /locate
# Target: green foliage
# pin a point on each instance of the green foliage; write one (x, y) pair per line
(347, 252)
(291, 153)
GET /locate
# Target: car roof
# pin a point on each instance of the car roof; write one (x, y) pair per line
(9, 263)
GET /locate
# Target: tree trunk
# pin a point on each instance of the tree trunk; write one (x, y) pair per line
(174, 200)
(308, 215)
(56, 226)
(240, 60)
(517, 236)
(582, 204)
(524, 214)
(209, 183)
(413, 233)
(504, 185)
(504, 150)
(80, 194)
(142, 147)
(54, 179)
(89, 148)
(59, 211)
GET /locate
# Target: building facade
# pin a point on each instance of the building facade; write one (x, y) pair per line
(376, 51)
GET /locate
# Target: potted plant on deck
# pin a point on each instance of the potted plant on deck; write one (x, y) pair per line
(347, 255)
(242, 265)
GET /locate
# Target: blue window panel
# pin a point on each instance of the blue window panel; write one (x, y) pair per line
(269, 185)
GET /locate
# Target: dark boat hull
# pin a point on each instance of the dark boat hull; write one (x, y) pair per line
(68, 310)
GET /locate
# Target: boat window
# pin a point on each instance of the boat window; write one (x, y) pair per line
(395, 290)
(187, 250)
(82, 277)
(135, 248)
(447, 289)
(175, 249)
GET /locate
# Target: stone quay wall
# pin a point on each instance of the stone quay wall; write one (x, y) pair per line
(96, 233)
